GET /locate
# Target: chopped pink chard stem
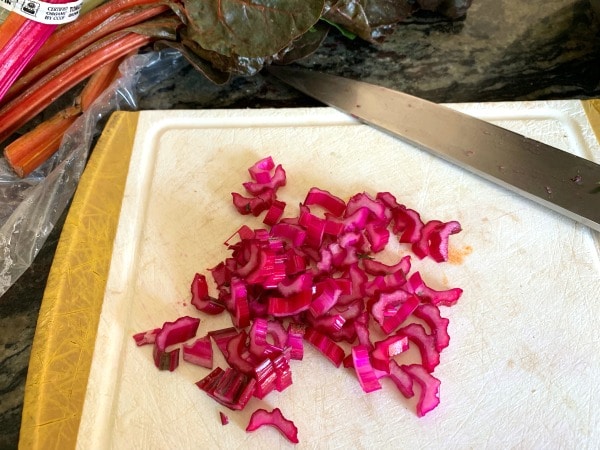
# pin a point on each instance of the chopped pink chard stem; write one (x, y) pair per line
(295, 263)
(395, 280)
(401, 378)
(251, 259)
(408, 225)
(303, 282)
(384, 351)
(434, 240)
(350, 310)
(329, 324)
(282, 370)
(259, 330)
(146, 337)
(359, 279)
(325, 345)
(173, 333)
(374, 267)
(417, 286)
(349, 239)
(223, 417)
(325, 264)
(357, 220)
(430, 388)
(265, 377)
(209, 382)
(388, 199)
(276, 419)
(326, 200)
(199, 352)
(274, 212)
(364, 371)
(325, 298)
(348, 362)
(401, 314)
(258, 336)
(344, 284)
(438, 241)
(221, 274)
(292, 232)
(364, 201)
(295, 340)
(200, 298)
(289, 306)
(333, 227)
(378, 236)
(385, 283)
(347, 333)
(385, 302)
(252, 205)
(314, 226)
(239, 296)
(260, 171)
(421, 247)
(361, 327)
(425, 342)
(237, 357)
(276, 330)
(230, 384)
(438, 325)
(222, 338)
(228, 387)
(375, 286)
(278, 179)
(243, 232)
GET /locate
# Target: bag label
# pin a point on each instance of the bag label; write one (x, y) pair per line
(44, 12)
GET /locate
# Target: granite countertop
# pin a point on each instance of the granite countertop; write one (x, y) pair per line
(503, 50)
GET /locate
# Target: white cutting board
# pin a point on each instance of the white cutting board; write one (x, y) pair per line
(523, 365)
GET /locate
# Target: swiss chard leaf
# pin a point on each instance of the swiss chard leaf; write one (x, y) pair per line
(367, 19)
(373, 20)
(303, 46)
(249, 28)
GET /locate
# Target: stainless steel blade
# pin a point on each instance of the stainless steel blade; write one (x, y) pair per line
(554, 178)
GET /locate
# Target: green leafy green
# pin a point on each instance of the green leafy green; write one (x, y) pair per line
(347, 34)
(250, 28)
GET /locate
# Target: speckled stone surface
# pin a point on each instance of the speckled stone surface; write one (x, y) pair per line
(503, 50)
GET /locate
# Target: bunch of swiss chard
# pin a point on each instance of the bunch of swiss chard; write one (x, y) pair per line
(219, 38)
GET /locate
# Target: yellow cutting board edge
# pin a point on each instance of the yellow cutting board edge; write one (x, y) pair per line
(63, 345)
(592, 110)
(66, 330)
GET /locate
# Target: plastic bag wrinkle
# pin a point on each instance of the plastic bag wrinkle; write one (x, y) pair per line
(30, 207)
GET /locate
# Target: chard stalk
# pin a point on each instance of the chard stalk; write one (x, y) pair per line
(34, 148)
(20, 41)
(127, 18)
(42, 93)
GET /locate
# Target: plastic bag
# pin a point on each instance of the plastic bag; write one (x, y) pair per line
(30, 207)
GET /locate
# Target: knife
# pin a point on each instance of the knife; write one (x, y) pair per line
(563, 182)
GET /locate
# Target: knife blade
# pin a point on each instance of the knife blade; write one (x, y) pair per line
(559, 180)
